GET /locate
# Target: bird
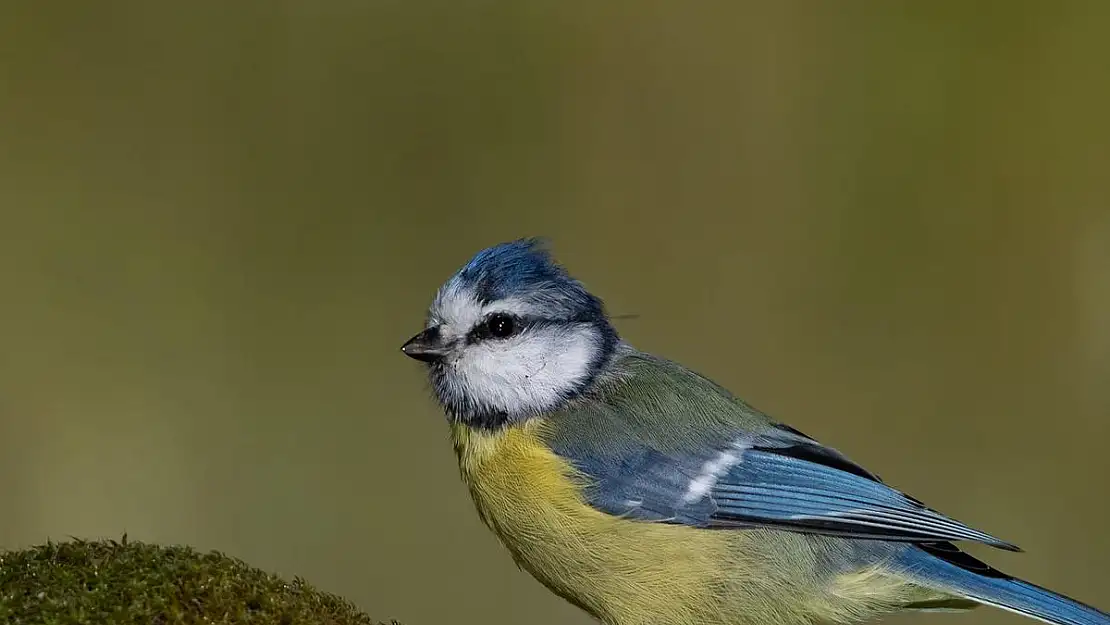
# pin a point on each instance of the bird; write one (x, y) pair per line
(643, 492)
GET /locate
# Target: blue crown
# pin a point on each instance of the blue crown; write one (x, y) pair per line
(524, 269)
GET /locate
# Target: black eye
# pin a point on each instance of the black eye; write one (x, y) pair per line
(500, 325)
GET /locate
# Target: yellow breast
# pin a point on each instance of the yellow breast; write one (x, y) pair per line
(621, 571)
(627, 572)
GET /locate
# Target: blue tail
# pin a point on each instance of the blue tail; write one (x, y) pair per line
(943, 566)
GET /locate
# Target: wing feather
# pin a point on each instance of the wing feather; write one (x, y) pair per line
(765, 488)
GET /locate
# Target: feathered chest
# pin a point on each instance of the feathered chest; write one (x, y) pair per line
(612, 567)
(519, 486)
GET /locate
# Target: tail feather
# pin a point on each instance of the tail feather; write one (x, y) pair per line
(943, 566)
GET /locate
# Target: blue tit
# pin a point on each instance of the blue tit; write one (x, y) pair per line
(644, 493)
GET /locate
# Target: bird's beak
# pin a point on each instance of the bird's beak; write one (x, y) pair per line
(427, 346)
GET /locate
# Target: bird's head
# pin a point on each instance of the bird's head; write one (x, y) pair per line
(511, 335)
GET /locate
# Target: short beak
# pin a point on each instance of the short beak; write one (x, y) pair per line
(427, 346)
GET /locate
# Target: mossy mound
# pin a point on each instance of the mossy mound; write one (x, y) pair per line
(94, 582)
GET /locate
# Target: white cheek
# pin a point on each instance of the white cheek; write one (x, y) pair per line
(530, 373)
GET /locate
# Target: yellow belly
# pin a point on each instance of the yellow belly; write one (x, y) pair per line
(627, 572)
(618, 570)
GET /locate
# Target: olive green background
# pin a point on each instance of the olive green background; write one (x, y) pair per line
(887, 224)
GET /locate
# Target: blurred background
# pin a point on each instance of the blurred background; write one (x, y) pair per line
(886, 225)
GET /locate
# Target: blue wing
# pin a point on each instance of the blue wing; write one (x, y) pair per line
(779, 479)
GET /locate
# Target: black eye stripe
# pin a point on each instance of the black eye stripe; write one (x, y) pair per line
(484, 331)
(497, 326)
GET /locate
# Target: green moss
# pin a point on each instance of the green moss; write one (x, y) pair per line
(82, 582)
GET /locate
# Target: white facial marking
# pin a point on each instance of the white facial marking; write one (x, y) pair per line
(455, 305)
(712, 471)
(528, 372)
